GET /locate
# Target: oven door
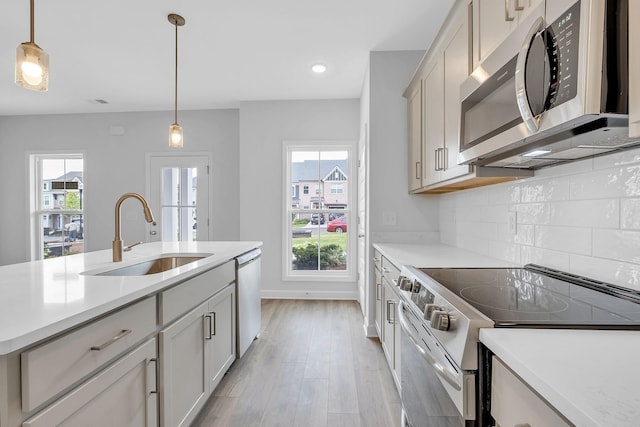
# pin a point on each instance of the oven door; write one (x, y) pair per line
(434, 391)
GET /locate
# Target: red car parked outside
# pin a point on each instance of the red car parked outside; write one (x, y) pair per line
(338, 225)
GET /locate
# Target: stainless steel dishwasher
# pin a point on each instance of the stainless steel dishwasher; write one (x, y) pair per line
(248, 278)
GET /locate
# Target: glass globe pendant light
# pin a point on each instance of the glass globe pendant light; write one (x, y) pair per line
(175, 131)
(32, 63)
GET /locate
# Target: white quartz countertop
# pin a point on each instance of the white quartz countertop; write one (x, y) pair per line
(42, 298)
(591, 377)
(436, 256)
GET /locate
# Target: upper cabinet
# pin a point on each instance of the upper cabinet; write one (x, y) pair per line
(433, 105)
(493, 20)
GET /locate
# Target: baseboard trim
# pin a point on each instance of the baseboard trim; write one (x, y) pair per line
(370, 330)
(319, 295)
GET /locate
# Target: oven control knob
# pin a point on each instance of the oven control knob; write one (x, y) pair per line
(405, 284)
(429, 309)
(440, 320)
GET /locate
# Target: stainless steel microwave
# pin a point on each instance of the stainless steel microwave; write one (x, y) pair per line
(555, 90)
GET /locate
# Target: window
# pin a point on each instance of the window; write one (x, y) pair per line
(57, 205)
(315, 247)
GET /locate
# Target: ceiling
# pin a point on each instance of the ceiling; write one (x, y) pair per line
(122, 51)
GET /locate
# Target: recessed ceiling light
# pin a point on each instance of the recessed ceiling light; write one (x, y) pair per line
(319, 68)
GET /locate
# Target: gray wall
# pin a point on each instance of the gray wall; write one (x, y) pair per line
(114, 165)
(416, 217)
(263, 128)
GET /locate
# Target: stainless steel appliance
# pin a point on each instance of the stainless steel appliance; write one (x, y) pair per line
(446, 370)
(555, 90)
(248, 277)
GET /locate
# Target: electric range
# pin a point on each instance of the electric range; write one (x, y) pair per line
(443, 309)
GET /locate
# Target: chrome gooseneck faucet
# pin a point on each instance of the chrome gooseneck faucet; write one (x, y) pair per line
(148, 216)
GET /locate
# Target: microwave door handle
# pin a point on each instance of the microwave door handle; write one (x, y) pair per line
(522, 99)
(440, 370)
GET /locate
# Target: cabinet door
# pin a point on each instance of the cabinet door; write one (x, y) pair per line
(221, 319)
(183, 368)
(492, 21)
(388, 343)
(455, 58)
(414, 105)
(124, 394)
(433, 122)
(513, 403)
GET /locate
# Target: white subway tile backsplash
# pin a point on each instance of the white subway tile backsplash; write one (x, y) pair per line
(619, 273)
(607, 183)
(616, 160)
(502, 194)
(545, 190)
(582, 217)
(505, 251)
(533, 213)
(546, 257)
(566, 239)
(617, 245)
(630, 214)
(585, 213)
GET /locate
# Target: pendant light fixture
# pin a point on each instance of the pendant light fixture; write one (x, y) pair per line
(32, 63)
(175, 131)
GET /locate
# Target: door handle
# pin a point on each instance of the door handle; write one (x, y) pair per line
(507, 11)
(417, 170)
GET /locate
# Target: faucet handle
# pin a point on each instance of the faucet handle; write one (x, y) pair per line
(129, 247)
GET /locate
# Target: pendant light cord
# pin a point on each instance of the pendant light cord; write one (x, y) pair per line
(176, 81)
(32, 22)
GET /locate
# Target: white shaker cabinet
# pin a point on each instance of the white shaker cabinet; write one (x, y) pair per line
(377, 274)
(222, 315)
(390, 326)
(195, 352)
(493, 20)
(433, 122)
(125, 394)
(414, 113)
(513, 403)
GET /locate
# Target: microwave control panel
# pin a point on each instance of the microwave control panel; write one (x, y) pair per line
(562, 42)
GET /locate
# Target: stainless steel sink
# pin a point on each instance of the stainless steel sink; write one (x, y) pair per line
(154, 266)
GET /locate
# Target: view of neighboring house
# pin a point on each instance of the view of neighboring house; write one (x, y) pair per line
(319, 184)
(61, 193)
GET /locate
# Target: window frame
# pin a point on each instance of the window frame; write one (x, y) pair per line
(348, 275)
(37, 187)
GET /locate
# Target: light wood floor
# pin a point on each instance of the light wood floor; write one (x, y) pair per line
(312, 366)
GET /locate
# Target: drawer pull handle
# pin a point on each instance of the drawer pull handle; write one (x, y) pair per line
(123, 333)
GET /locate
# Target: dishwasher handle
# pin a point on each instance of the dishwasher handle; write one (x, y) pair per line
(248, 257)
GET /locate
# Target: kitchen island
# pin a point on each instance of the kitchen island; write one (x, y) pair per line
(72, 339)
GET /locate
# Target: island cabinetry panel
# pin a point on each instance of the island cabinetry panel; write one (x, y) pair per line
(513, 403)
(195, 352)
(56, 365)
(124, 394)
(178, 300)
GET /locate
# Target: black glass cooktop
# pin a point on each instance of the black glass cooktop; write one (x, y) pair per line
(538, 296)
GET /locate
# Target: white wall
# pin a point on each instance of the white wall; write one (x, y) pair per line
(264, 126)
(114, 165)
(582, 217)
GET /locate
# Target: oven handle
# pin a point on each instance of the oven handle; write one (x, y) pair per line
(446, 375)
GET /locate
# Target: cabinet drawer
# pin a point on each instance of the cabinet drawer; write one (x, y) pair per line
(124, 394)
(390, 272)
(514, 403)
(185, 296)
(55, 365)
